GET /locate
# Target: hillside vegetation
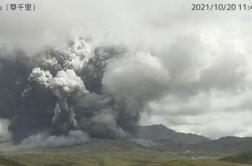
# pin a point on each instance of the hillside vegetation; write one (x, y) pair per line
(9, 162)
(107, 153)
(245, 157)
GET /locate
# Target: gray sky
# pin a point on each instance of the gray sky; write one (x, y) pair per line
(202, 59)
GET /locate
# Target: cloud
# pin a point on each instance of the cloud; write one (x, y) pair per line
(214, 114)
(179, 66)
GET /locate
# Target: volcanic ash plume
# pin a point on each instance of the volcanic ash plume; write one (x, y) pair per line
(59, 77)
(62, 102)
(64, 85)
(63, 97)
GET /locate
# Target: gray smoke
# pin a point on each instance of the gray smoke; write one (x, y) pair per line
(63, 97)
(74, 137)
(100, 92)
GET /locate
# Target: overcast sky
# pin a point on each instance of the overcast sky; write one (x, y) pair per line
(205, 57)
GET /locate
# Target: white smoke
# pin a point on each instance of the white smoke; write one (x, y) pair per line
(75, 57)
(74, 137)
(66, 83)
(5, 134)
(40, 77)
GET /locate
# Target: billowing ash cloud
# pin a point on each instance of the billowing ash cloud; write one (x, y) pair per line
(66, 96)
(133, 81)
(157, 61)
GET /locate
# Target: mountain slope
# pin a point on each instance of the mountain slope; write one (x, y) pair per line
(102, 152)
(224, 145)
(160, 132)
(164, 138)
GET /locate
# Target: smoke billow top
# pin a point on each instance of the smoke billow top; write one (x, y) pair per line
(64, 97)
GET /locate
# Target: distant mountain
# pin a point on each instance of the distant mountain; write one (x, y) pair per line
(161, 137)
(162, 133)
(224, 145)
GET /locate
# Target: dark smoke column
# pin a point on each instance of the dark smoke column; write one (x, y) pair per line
(65, 84)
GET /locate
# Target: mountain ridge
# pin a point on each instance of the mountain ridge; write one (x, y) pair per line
(163, 138)
(161, 132)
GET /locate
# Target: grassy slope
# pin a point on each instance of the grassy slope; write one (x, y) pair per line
(8, 162)
(107, 153)
(245, 157)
